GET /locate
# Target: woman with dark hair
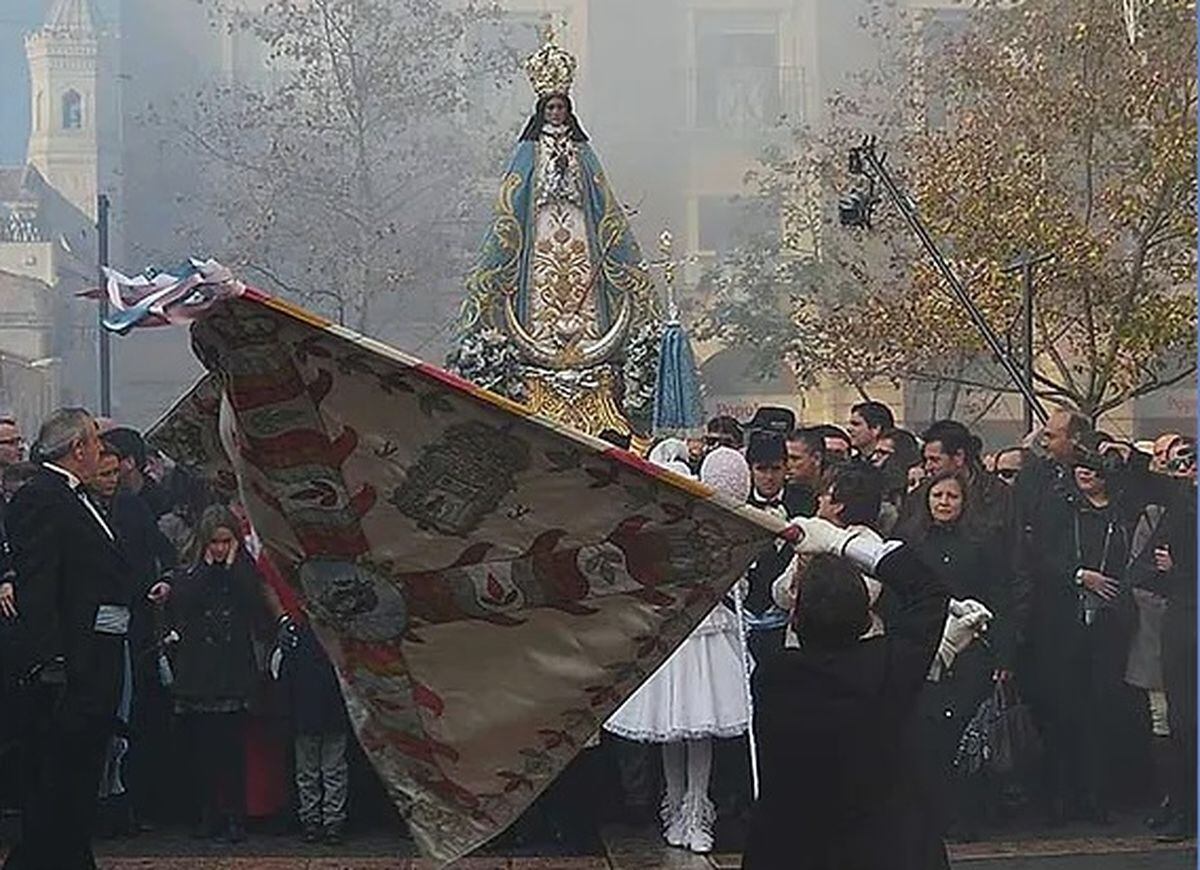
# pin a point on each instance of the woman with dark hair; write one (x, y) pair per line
(1081, 621)
(896, 451)
(215, 605)
(975, 646)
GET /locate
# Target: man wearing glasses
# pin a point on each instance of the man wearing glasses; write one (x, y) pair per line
(1009, 462)
(12, 445)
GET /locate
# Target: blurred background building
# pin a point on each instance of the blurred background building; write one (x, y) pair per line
(679, 96)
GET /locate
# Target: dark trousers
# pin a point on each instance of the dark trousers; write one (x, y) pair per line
(149, 765)
(1080, 712)
(61, 764)
(217, 742)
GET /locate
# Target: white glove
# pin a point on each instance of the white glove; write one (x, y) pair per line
(813, 535)
(965, 621)
(783, 590)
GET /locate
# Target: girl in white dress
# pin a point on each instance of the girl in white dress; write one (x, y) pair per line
(699, 691)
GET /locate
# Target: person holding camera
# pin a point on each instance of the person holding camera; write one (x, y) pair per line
(1081, 623)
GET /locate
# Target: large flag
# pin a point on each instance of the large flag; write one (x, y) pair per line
(490, 587)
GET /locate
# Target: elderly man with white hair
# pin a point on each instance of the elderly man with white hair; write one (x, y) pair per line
(73, 595)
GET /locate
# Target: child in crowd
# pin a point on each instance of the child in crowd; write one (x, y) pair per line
(320, 726)
(215, 605)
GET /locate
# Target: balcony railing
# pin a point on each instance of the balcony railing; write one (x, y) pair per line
(740, 100)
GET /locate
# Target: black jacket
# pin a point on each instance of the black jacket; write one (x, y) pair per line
(66, 567)
(995, 509)
(973, 566)
(829, 727)
(1068, 624)
(1180, 535)
(149, 552)
(314, 696)
(150, 556)
(215, 608)
(771, 561)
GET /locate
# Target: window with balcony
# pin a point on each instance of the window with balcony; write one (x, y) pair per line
(738, 78)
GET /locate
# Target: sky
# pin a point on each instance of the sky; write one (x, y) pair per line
(18, 17)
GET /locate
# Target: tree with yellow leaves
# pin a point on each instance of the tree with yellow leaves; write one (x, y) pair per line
(1037, 127)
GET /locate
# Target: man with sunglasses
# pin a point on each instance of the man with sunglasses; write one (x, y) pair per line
(1181, 459)
(1009, 462)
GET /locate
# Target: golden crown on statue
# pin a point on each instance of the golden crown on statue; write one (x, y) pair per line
(551, 70)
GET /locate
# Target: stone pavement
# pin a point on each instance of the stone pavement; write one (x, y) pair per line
(625, 849)
(1124, 846)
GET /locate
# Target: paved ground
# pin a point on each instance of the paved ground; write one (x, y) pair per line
(1153, 860)
(1144, 861)
(622, 849)
(1082, 847)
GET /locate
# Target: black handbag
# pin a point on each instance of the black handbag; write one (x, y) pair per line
(1000, 738)
(1013, 739)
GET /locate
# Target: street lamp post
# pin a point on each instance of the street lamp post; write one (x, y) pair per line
(855, 210)
(1026, 264)
(102, 206)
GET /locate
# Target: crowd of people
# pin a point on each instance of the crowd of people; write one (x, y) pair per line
(1069, 565)
(140, 624)
(155, 667)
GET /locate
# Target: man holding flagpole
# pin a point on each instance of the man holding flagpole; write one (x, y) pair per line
(829, 716)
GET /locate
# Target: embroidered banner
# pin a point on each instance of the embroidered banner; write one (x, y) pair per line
(490, 587)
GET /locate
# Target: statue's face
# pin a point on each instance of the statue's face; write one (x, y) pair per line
(556, 111)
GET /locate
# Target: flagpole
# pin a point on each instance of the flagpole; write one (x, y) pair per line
(746, 667)
(105, 353)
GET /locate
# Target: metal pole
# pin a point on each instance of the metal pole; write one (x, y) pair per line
(909, 212)
(102, 206)
(747, 666)
(1027, 338)
(1027, 262)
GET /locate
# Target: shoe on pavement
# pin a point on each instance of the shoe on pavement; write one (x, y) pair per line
(334, 836)
(1178, 831)
(1161, 817)
(312, 833)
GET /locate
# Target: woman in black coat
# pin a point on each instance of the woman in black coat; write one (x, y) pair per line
(943, 533)
(1080, 626)
(215, 605)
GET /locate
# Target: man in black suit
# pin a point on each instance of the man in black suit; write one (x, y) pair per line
(830, 716)
(73, 591)
(767, 457)
(150, 556)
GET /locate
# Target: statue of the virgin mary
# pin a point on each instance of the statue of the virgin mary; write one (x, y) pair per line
(560, 313)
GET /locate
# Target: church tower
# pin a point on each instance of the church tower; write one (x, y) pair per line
(72, 108)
